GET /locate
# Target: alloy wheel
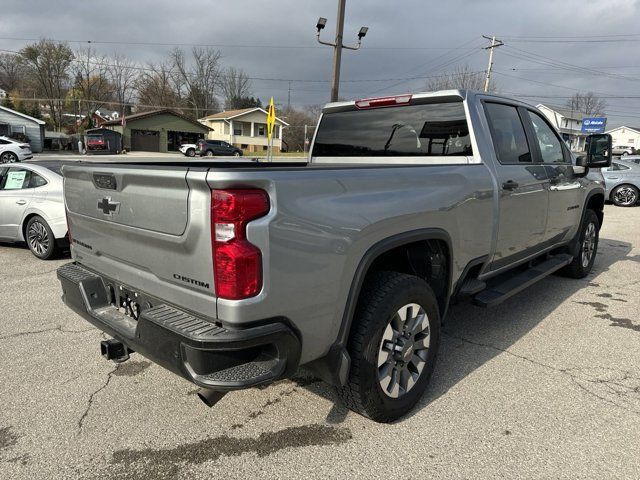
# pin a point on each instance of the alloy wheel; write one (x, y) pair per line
(588, 245)
(625, 196)
(38, 238)
(403, 350)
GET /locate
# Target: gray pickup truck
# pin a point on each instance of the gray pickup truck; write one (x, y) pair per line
(233, 274)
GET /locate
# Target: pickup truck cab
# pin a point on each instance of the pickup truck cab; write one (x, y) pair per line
(233, 274)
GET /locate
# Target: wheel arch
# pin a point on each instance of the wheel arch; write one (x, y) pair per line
(334, 367)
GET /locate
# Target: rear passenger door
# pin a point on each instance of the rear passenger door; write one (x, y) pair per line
(15, 196)
(565, 197)
(522, 185)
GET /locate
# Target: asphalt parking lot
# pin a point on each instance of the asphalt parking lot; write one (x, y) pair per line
(547, 385)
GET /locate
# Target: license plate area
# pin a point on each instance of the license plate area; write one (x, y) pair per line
(128, 301)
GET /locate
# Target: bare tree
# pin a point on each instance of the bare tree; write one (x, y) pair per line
(587, 103)
(462, 77)
(49, 63)
(122, 75)
(314, 111)
(92, 88)
(236, 89)
(197, 82)
(293, 135)
(12, 72)
(156, 88)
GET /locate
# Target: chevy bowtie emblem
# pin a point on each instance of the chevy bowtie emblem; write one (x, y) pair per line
(107, 206)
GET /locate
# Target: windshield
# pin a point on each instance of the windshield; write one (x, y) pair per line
(435, 129)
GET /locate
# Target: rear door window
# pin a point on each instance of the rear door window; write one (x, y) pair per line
(16, 179)
(507, 132)
(434, 129)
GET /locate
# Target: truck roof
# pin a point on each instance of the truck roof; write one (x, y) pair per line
(461, 93)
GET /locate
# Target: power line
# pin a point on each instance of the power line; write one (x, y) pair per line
(210, 45)
(256, 78)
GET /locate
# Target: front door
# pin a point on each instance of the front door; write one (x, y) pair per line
(15, 197)
(522, 185)
(565, 195)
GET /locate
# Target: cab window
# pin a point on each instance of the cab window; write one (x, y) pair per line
(550, 145)
(507, 131)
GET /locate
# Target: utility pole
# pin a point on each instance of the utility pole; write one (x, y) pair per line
(490, 66)
(338, 46)
(289, 97)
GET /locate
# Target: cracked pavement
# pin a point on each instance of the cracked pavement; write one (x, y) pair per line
(544, 385)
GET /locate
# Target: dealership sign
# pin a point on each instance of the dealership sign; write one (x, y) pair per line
(593, 125)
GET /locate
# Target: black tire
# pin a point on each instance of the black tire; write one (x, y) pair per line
(191, 152)
(579, 268)
(40, 239)
(383, 294)
(8, 157)
(625, 196)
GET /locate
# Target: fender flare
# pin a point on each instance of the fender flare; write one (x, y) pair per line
(334, 367)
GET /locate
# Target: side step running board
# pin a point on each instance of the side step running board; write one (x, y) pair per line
(498, 293)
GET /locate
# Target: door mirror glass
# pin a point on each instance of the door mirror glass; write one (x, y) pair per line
(599, 150)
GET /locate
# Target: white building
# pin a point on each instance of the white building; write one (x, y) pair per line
(3, 94)
(625, 136)
(245, 129)
(568, 122)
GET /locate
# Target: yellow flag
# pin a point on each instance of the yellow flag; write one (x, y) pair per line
(271, 118)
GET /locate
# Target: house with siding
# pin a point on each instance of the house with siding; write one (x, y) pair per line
(245, 129)
(18, 125)
(625, 136)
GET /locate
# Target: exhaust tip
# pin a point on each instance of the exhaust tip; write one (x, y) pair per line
(210, 397)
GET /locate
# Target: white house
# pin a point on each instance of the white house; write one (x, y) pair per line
(245, 129)
(568, 122)
(625, 136)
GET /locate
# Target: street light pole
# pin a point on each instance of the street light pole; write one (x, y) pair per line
(338, 46)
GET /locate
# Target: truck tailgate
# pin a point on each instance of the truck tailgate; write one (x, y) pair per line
(147, 227)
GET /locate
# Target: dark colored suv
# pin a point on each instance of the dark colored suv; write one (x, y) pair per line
(212, 148)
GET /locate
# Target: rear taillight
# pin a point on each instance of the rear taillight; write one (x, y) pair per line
(237, 262)
(383, 102)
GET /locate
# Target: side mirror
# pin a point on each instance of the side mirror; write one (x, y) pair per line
(599, 151)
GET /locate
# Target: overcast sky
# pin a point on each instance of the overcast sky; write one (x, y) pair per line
(552, 48)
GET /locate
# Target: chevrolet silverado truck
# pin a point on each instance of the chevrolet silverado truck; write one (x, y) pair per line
(233, 274)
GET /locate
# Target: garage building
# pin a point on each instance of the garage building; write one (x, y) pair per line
(157, 131)
(18, 125)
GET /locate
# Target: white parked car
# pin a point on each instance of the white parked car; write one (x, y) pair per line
(12, 151)
(32, 207)
(188, 149)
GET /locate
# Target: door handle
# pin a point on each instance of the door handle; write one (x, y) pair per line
(21, 202)
(509, 185)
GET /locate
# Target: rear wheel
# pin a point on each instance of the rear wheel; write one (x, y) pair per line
(589, 235)
(40, 238)
(191, 152)
(8, 157)
(393, 345)
(236, 154)
(624, 196)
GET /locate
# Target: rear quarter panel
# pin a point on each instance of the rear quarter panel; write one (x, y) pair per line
(324, 219)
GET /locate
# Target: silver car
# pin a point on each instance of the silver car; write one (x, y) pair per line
(32, 207)
(622, 181)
